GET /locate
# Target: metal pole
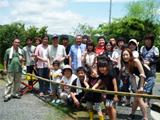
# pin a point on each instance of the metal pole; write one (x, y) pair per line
(109, 17)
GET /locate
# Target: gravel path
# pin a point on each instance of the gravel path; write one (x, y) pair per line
(31, 107)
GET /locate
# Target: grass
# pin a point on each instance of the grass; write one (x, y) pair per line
(157, 78)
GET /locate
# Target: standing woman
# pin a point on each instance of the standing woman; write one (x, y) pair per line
(90, 56)
(150, 55)
(134, 66)
(42, 64)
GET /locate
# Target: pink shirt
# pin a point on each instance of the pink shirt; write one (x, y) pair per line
(39, 52)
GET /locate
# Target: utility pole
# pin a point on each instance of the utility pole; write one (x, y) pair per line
(109, 17)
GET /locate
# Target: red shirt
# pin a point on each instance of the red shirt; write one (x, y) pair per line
(99, 50)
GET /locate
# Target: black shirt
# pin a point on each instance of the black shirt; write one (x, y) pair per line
(107, 80)
(66, 61)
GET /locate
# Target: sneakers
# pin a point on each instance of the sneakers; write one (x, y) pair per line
(17, 97)
(41, 95)
(123, 100)
(126, 104)
(131, 117)
(58, 101)
(50, 94)
(54, 101)
(6, 99)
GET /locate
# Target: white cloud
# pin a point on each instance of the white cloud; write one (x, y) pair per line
(49, 13)
(102, 0)
(4, 3)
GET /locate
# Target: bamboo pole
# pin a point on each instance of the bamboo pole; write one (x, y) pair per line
(102, 91)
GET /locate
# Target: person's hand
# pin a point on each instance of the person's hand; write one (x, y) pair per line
(32, 54)
(147, 63)
(76, 102)
(49, 67)
(87, 87)
(140, 90)
(22, 67)
(22, 59)
(59, 60)
(115, 99)
(93, 88)
(85, 53)
(34, 67)
(45, 60)
(5, 71)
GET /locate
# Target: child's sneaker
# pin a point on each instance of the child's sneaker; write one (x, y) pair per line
(54, 101)
(58, 101)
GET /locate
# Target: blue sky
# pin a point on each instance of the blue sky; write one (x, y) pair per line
(59, 15)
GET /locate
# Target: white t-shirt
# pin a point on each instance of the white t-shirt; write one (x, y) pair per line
(68, 81)
(119, 58)
(58, 72)
(45, 57)
(135, 53)
(79, 57)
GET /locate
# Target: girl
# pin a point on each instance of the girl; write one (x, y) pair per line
(134, 66)
(90, 56)
(92, 79)
(150, 56)
(109, 81)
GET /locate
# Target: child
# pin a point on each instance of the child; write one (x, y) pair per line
(56, 76)
(92, 79)
(109, 81)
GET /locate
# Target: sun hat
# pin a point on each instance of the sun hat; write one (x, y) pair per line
(134, 41)
(66, 67)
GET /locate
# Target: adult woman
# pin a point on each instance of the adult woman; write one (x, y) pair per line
(90, 56)
(42, 64)
(150, 55)
(134, 66)
(68, 78)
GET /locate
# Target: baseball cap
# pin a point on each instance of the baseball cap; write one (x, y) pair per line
(55, 36)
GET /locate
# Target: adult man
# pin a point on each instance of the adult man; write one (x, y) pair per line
(100, 47)
(64, 40)
(56, 52)
(113, 43)
(30, 61)
(76, 53)
(13, 65)
(77, 94)
(84, 39)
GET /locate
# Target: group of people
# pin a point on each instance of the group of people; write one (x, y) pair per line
(113, 65)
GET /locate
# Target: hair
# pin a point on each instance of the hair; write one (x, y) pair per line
(16, 38)
(133, 43)
(108, 41)
(103, 63)
(37, 38)
(56, 62)
(29, 38)
(90, 43)
(64, 37)
(149, 36)
(66, 69)
(85, 37)
(81, 69)
(45, 36)
(77, 36)
(130, 63)
(124, 46)
(120, 39)
(88, 69)
(101, 37)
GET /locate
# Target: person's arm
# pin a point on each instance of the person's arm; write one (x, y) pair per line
(76, 102)
(97, 84)
(86, 83)
(61, 86)
(5, 66)
(62, 59)
(115, 99)
(59, 75)
(48, 62)
(40, 58)
(70, 61)
(50, 73)
(83, 59)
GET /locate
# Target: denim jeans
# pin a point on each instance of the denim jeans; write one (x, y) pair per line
(44, 73)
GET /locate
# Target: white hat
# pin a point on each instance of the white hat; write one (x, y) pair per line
(134, 41)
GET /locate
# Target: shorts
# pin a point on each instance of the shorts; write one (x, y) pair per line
(110, 103)
(56, 90)
(149, 86)
(97, 106)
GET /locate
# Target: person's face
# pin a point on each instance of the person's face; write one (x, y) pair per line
(84, 41)
(103, 69)
(113, 41)
(78, 40)
(37, 42)
(67, 73)
(148, 42)
(81, 75)
(132, 46)
(64, 42)
(126, 56)
(90, 48)
(120, 44)
(45, 40)
(101, 42)
(16, 43)
(55, 66)
(93, 73)
(29, 42)
(108, 47)
(55, 41)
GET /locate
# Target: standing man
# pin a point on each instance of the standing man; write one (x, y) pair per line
(56, 52)
(30, 61)
(113, 43)
(64, 40)
(100, 47)
(13, 65)
(84, 39)
(76, 53)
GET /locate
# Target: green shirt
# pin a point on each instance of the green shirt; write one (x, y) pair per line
(14, 64)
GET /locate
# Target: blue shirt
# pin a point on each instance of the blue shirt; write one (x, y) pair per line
(73, 52)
